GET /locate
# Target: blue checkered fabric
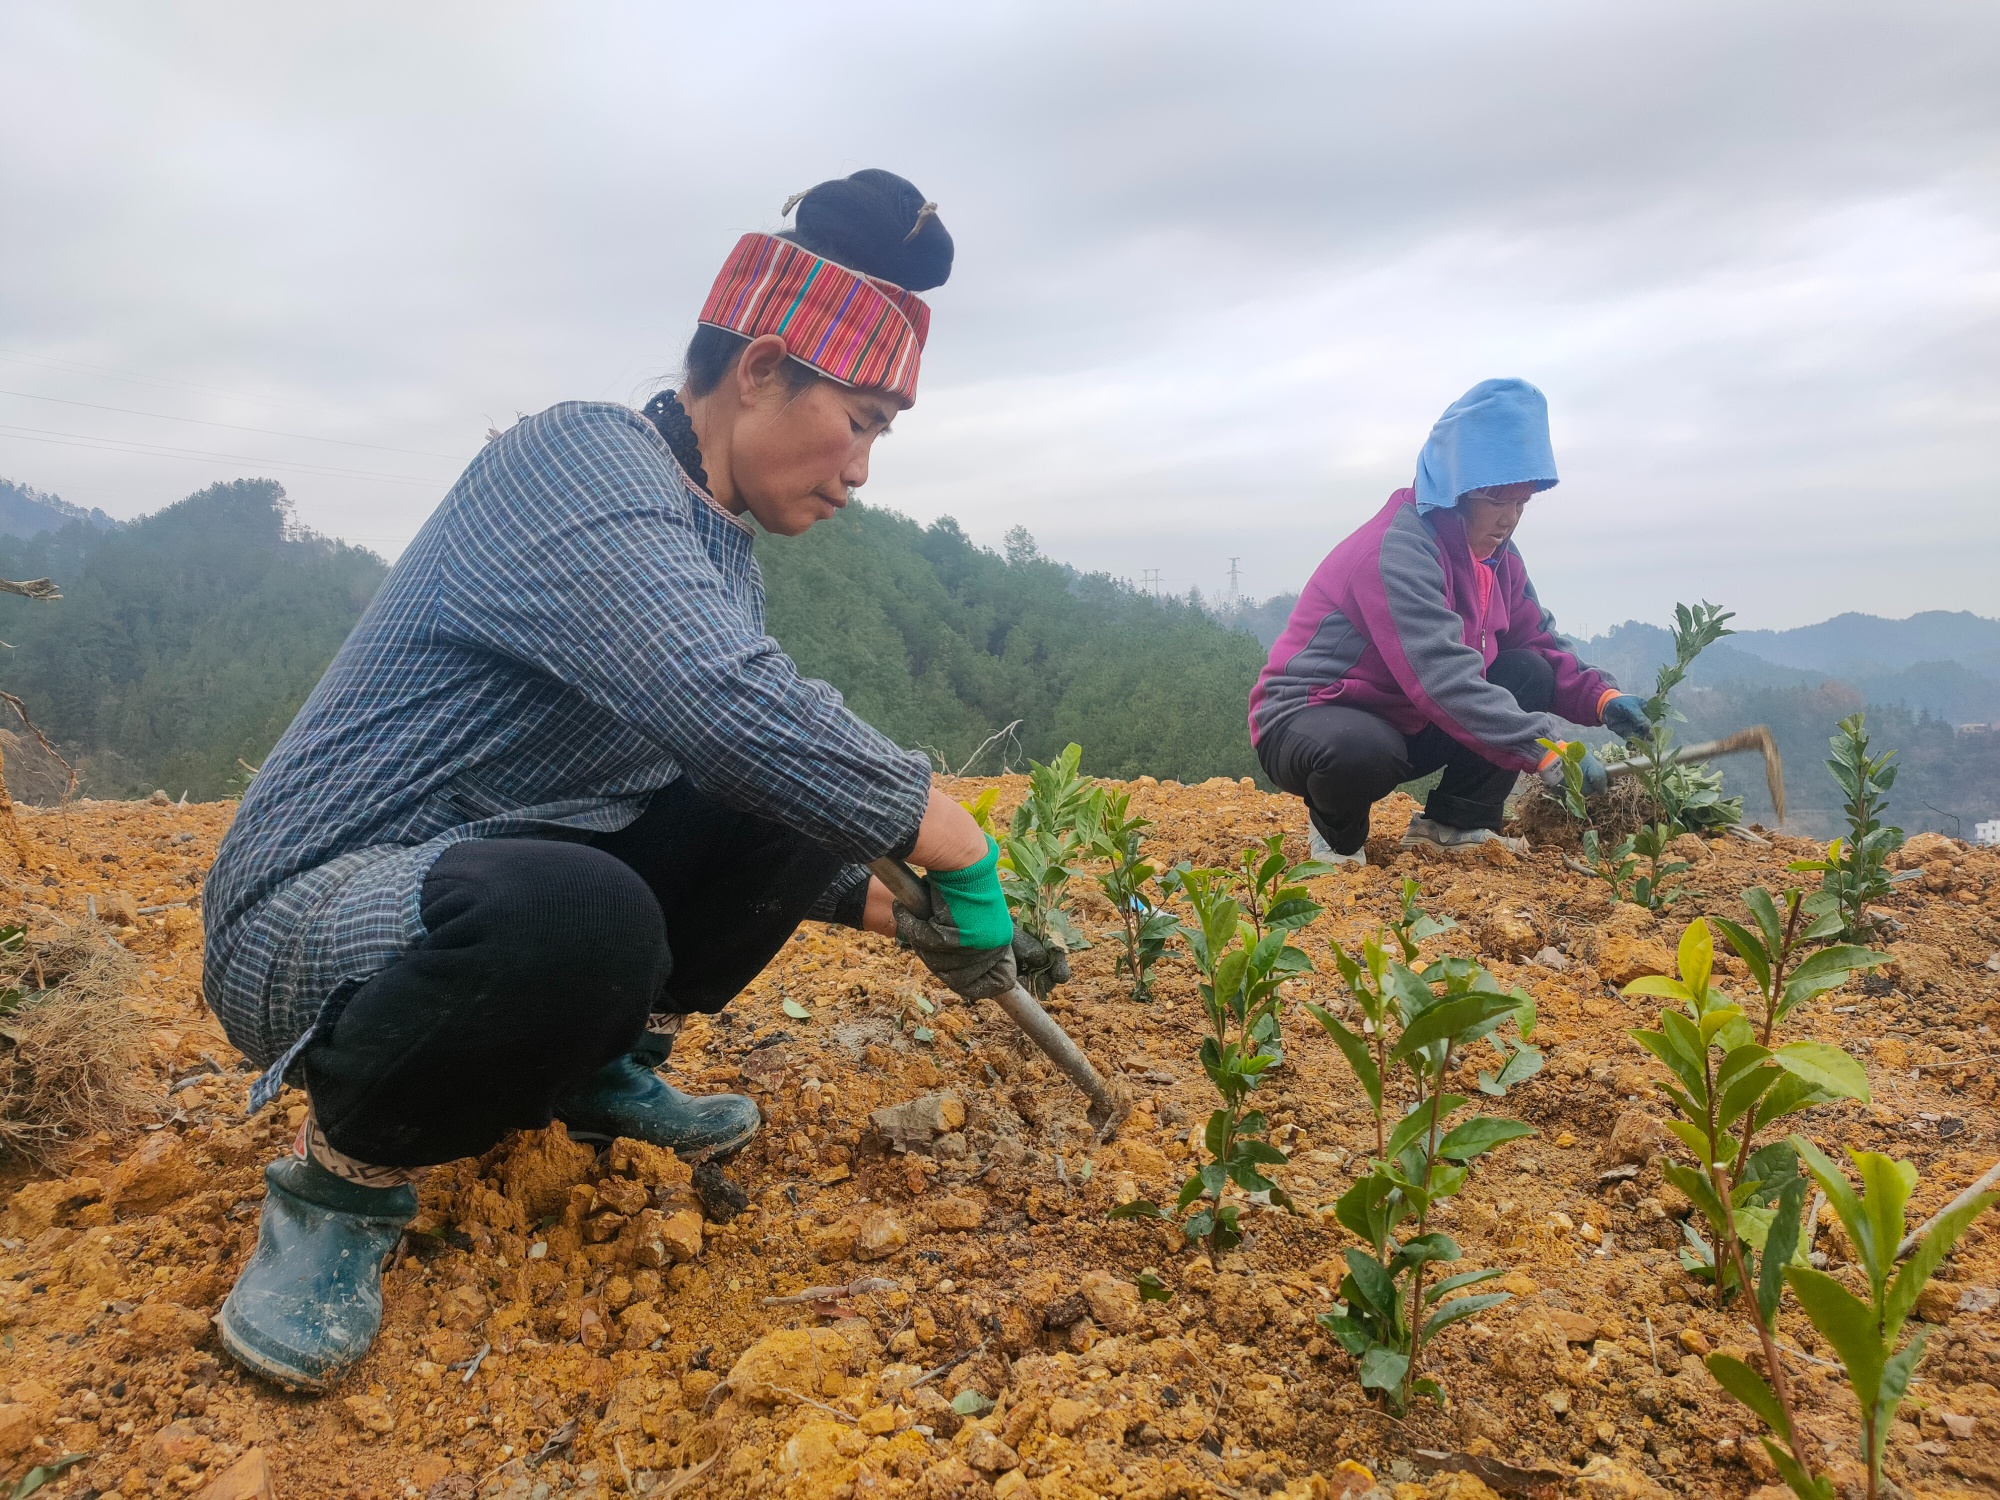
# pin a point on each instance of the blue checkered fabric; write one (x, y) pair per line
(575, 627)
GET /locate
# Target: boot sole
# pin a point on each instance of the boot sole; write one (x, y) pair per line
(694, 1156)
(262, 1363)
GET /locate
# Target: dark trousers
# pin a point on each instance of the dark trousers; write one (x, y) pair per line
(542, 962)
(1344, 760)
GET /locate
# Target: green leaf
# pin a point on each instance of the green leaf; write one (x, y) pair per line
(1887, 1186)
(1846, 1322)
(1748, 948)
(1925, 1258)
(1353, 1334)
(1805, 1486)
(971, 1403)
(1825, 1067)
(1761, 907)
(1480, 1134)
(1355, 1049)
(796, 1011)
(1659, 985)
(1151, 1288)
(1896, 1373)
(1383, 1369)
(1833, 1182)
(1373, 1283)
(1459, 1020)
(1747, 1386)
(1428, 1247)
(1696, 959)
(1695, 1139)
(1139, 1208)
(1781, 1243)
(1696, 1187)
(1462, 1307)
(1412, 1126)
(1744, 1093)
(1828, 969)
(1463, 1278)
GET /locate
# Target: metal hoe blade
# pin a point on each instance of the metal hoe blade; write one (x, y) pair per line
(1110, 1102)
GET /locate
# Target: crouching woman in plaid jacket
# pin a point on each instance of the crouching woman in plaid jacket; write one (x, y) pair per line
(559, 788)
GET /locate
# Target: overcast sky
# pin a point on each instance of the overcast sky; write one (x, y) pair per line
(1219, 267)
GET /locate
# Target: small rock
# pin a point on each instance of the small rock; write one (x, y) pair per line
(623, 1195)
(879, 1236)
(541, 1169)
(117, 909)
(681, 1234)
(1636, 1138)
(153, 1176)
(920, 1121)
(1979, 1299)
(1065, 1415)
(1013, 1485)
(958, 1213)
(1551, 958)
(793, 1359)
(369, 1413)
(17, 1429)
(1557, 1401)
(160, 797)
(1957, 1425)
(249, 1478)
(1576, 1328)
(1620, 958)
(988, 1454)
(721, 1200)
(159, 1327)
(1695, 1342)
(1510, 934)
(1114, 1302)
(1937, 1302)
(971, 1403)
(878, 1421)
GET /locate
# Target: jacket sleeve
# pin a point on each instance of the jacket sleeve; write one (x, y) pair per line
(1422, 641)
(1581, 690)
(605, 585)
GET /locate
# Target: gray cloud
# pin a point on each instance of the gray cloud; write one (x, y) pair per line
(1219, 269)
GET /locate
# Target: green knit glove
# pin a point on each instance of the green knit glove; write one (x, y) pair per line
(978, 905)
(967, 940)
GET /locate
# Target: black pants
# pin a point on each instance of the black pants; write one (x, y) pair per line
(1343, 760)
(542, 961)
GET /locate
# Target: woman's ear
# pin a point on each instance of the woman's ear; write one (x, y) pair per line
(760, 366)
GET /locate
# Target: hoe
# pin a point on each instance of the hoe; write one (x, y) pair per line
(1110, 1102)
(1757, 737)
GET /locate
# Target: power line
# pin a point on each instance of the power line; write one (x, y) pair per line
(156, 450)
(232, 426)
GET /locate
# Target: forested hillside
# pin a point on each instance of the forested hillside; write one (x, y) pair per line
(941, 644)
(183, 640)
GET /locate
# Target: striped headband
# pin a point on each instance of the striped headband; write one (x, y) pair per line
(855, 329)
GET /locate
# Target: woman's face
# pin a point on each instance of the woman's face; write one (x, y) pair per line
(795, 453)
(1492, 514)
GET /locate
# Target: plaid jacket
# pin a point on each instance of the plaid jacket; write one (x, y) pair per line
(575, 627)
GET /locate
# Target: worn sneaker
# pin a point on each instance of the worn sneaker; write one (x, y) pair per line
(1427, 831)
(1319, 849)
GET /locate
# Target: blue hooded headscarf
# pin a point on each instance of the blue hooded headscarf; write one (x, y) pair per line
(1496, 433)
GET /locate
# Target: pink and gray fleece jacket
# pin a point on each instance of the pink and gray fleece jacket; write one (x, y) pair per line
(1403, 621)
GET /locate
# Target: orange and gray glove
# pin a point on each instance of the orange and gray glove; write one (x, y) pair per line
(1624, 714)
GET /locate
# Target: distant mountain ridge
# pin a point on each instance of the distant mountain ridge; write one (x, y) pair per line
(26, 512)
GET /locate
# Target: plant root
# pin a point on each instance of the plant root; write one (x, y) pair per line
(1541, 818)
(70, 1052)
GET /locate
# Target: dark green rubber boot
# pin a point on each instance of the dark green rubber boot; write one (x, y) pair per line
(309, 1304)
(625, 1097)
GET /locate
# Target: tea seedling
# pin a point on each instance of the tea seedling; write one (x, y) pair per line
(1424, 1021)
(1864, 1333)
(1856, 868)
(1146, 925)
(1240, 940)
(1729, 1085)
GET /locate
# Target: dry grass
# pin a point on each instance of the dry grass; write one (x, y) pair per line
(70, 1049)
(1540, 816)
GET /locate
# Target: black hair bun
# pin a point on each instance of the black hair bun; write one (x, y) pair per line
(865, 223)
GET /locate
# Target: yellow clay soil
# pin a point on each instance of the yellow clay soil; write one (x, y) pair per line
(570, 1322)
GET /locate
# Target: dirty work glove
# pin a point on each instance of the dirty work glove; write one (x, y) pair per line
(1042, 966)
(967, 941)
(1595, 781)
(1625, 716)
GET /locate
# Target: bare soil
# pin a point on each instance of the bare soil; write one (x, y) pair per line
(569, 1322)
